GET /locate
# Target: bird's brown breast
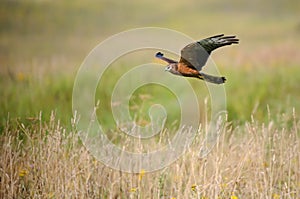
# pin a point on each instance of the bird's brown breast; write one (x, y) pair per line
(187, 71)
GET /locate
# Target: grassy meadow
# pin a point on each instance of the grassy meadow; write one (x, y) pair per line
(42, 45)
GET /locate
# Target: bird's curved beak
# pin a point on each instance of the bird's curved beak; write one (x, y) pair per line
(166, 68)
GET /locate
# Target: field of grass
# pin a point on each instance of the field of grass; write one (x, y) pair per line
(44, 160)
(42, 45)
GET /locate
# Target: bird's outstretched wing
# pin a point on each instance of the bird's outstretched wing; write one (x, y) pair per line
(196, 54)
(159, 55)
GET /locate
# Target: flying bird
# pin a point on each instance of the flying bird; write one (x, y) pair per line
(195, 55)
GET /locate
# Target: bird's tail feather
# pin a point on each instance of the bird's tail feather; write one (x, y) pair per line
(212, 79)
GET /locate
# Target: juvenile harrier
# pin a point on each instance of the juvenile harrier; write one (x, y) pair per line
(195, 55)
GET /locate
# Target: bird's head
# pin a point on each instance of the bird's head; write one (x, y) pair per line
(172, 68)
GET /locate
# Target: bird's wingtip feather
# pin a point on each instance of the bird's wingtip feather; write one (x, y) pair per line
(159, 54)
(218, 35)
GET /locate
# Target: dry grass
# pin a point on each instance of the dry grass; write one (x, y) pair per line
(44, 42)
(43, 160)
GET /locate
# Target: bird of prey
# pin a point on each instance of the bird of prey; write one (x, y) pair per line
(194, 56)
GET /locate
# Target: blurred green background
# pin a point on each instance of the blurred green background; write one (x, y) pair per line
(43, 43)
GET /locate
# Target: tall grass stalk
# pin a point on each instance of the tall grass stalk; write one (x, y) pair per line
(255, 160)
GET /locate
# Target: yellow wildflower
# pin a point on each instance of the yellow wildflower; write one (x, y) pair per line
(141, 174)
(234, 196)
(194, 187)
(133, 190)
(23, 172)
(276, 196)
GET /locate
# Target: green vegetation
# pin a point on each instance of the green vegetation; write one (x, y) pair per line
(42, 45)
